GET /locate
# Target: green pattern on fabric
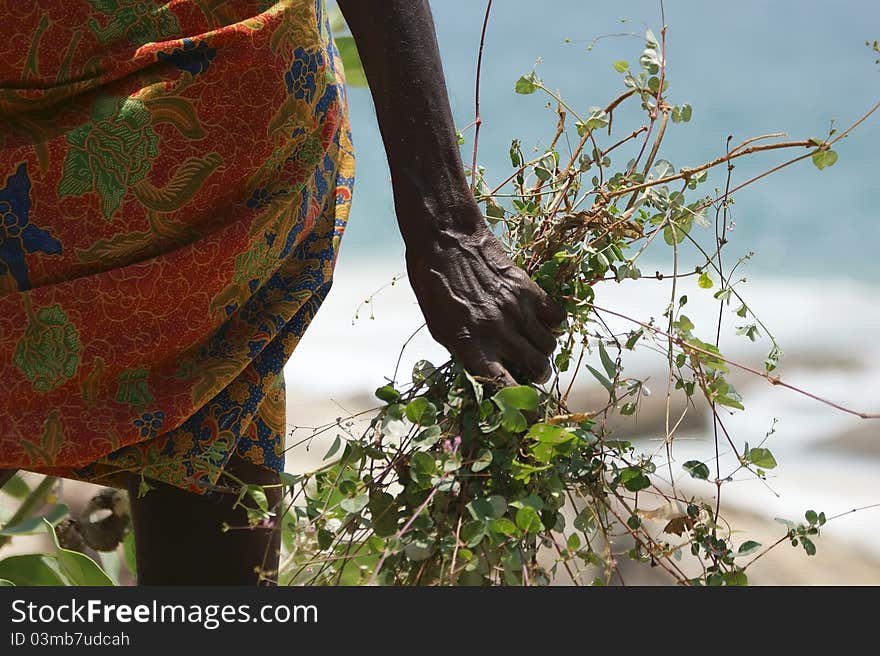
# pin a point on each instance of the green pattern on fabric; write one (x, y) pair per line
(140, 22)
(48, 352)
(110, 153)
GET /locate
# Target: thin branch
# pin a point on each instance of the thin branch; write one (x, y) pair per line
(773, 380)
(478, 120)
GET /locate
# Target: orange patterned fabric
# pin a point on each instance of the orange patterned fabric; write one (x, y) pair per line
(174, 183)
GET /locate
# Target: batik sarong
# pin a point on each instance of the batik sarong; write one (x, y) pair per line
(174, 182)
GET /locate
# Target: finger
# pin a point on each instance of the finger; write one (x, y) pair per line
(524, 357)
(480, 362)
(549, 311)
(538, 333)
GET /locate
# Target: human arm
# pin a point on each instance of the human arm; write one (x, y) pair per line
(476, 301)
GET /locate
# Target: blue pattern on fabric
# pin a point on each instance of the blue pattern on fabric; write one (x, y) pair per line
(18, 235)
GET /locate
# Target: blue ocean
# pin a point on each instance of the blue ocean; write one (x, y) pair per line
(747, 68)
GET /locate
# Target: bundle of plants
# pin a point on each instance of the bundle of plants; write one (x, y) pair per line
(457, 481)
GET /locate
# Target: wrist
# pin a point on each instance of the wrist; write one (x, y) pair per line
(435, 234)
(434, 212)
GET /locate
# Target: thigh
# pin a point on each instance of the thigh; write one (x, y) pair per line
(180, 540)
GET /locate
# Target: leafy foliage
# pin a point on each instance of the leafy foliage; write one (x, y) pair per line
(457, 482)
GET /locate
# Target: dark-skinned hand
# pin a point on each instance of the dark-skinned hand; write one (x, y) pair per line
(483, 308)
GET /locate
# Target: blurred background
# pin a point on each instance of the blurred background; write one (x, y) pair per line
(747, 68)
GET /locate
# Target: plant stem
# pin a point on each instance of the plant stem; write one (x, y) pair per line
(477, 118)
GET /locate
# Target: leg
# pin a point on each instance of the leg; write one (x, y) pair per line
(179, 540)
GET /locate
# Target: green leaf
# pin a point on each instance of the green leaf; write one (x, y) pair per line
(808, 545)
(772, 360)
(484, 508)
(811, 516)
(704, 281)
(634, 479)
(738, 578)
(418, 550)
(351, 62)
(601, 378)
(676, 231)
(333, 448)
(510, 401)
(598, 118)
(428, 437)
(762, 458)
(633, 339)
(484, 459)
(515, 159)
(325, 538)
(354, 504)
(423, 463)
(684, 325)
(621, 66)
(683, 114)
(499, 505)
(521, 397)
(31, 570)
(453, 463)
(388, 394)
(824, 158)
(585, 521)
(528, 83)
(258, 494)
(384, 513)
(473, 532)
(607, 362)
(423, 371)
(504, 526)
(549, 433)
(16, 487)
(748, 547)
(421, 411)
(289, 479)
(128, 552)
(36, 524)
(528, 520)
(78, 568)
(696, 469)
(531, 501)
(513, 421)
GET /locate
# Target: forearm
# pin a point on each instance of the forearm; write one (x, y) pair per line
(476, 301)
(398, 48)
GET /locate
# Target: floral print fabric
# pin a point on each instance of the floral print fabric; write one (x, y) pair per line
(174, 182)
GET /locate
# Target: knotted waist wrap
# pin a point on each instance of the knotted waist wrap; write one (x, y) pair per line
(174, 183)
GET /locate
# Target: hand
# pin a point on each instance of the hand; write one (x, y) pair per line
(482, 307)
